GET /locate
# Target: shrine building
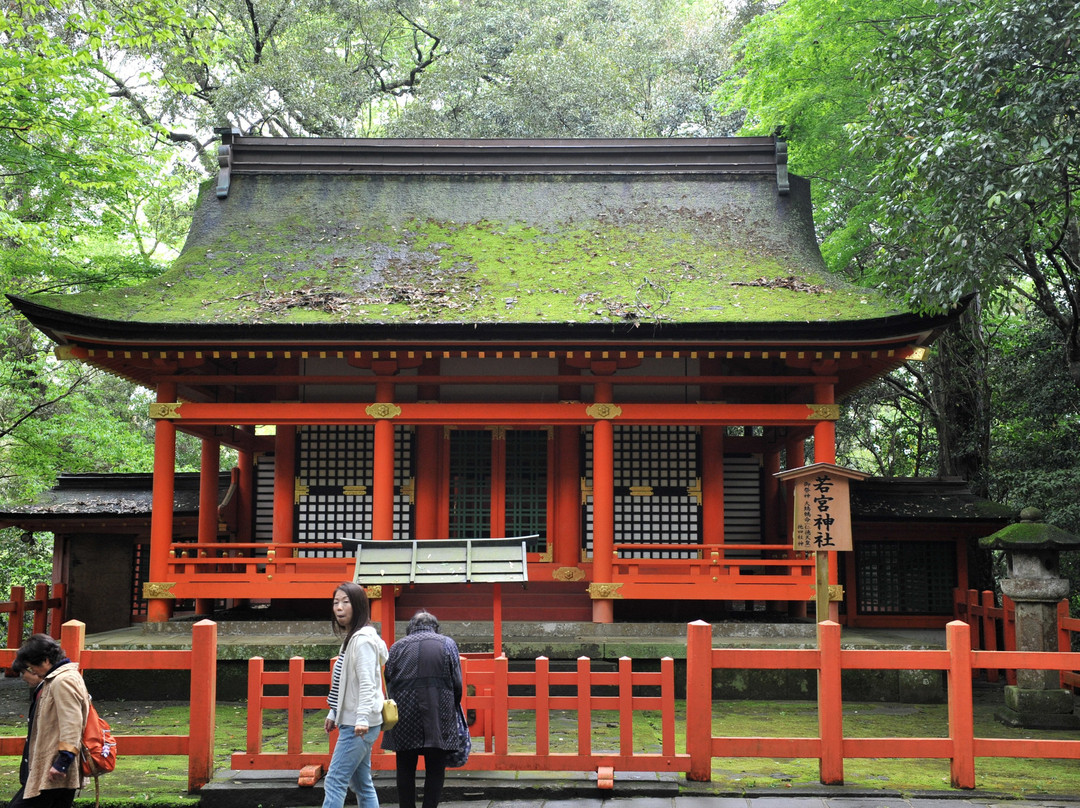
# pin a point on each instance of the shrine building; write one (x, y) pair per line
(610, 348)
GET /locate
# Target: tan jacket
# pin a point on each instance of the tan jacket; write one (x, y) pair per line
(59, 720)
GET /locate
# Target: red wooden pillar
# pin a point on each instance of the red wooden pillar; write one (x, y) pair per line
(712, 486)
(158, 590)
(825, 452)
(566, 538)
(209, 466)
(382, 489)
(825, 428)
(426, 486)
(603, 511)
(284, 488)
(382, 501)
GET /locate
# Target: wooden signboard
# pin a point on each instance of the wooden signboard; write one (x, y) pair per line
(822, 506)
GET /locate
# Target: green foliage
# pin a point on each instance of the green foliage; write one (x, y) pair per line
(798, 71)
(615, 68)
(1036, 429)
(886, 428)
(23, 563)
(976, 135)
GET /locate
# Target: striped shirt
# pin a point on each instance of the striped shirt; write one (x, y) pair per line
(335, 684)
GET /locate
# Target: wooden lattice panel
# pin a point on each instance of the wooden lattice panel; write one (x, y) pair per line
(911, 577)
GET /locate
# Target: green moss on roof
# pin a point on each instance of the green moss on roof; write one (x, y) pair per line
(508, 250)
(1030, 536)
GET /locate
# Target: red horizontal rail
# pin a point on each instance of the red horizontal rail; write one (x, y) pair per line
(487, 684)
(960, 661)
(201, 660)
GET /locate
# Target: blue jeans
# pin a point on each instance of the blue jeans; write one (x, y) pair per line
(351, 766)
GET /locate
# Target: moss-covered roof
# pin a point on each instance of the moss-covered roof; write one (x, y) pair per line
(1031, 536)
(292, 243)
(931, 499)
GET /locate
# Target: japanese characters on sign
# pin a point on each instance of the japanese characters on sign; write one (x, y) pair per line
(822, 513)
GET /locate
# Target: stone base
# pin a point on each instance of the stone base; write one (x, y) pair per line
(1038, 709)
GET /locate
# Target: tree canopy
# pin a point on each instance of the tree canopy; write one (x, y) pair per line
(941, 137)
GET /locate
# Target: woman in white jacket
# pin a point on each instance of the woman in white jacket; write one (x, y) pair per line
(355, 699)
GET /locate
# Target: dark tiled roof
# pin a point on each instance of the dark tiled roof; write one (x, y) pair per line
(105, 495)
(922, 498)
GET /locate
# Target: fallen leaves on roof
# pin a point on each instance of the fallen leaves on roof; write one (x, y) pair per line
(790, 283)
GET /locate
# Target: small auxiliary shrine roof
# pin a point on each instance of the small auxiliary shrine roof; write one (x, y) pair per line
(440, 561)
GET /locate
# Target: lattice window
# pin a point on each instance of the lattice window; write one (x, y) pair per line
(470, 483)
(527, 486)
(334, 467)
(334, 463)
(505, 467)
(654, 468)
(140, 574)
(911, 577)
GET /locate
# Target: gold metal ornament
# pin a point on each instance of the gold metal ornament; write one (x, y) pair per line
(383, 410)
(604, 412)
(605, 591)
(160, 410)
(158, 590)
(568, 574)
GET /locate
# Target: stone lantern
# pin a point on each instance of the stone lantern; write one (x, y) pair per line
(1037, 700)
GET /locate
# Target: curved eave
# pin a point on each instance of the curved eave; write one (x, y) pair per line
(77, 329)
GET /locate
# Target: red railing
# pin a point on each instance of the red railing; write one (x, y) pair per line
(488, 684)
(831, 747)
(992, 627)
(201, 661)
(1067, 626)
(494, 692)
(48, 612)
(287, 570)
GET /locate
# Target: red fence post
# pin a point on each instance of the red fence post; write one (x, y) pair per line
(254, 705)
(584, 706)
(830, 704)
(56, 615)
(15, 620)
(203, 703)
(626, 706)
(500, 713)
(1008, 622)
(41, 609)
(961, 710)
(543, 706)
(73, 639)
(1064, 639)
(294, 735)
(699, 700)
(667, 708)
(972, 617)
(989, 630)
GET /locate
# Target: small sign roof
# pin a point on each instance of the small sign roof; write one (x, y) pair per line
(816, 468)
(440, 561)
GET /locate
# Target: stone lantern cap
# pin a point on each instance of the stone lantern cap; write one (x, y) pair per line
(1030, 533)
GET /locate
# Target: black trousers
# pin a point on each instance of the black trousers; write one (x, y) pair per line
(434, 775)
(49, 798)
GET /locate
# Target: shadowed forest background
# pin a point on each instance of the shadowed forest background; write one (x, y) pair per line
(942, 138)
